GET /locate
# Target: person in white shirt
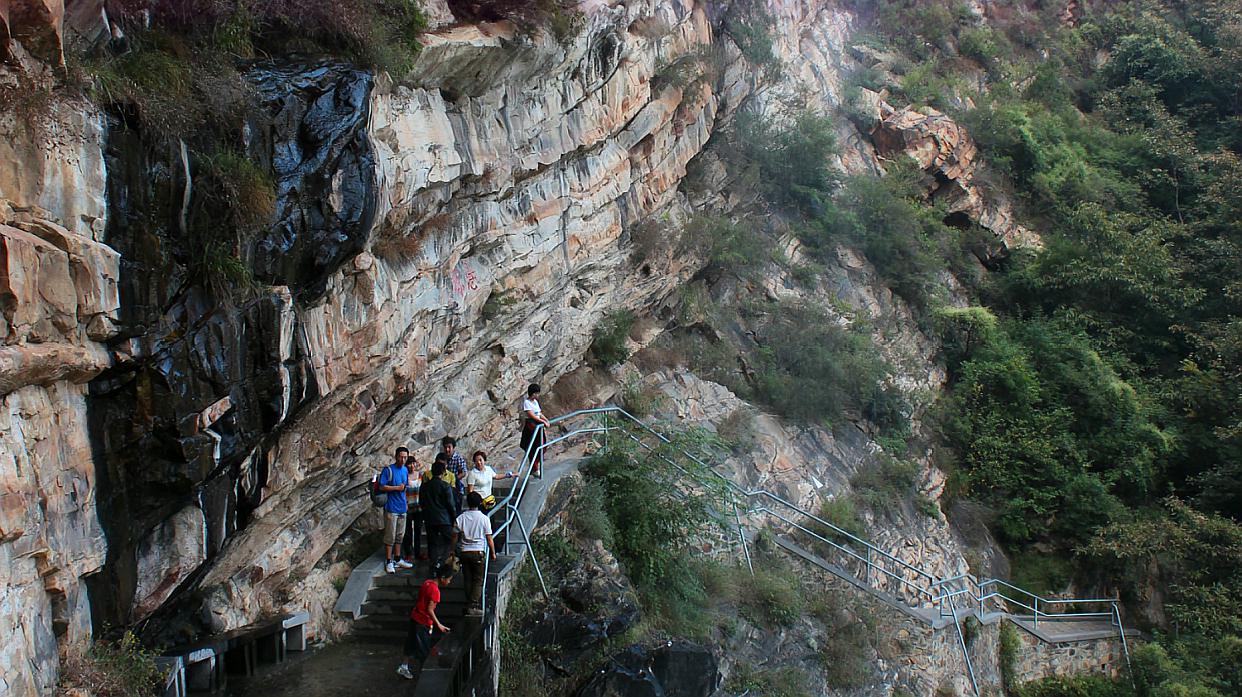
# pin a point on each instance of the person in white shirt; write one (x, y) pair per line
(532, 434)
(480, 478)
(473, 534)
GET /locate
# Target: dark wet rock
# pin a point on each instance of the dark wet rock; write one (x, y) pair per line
(315, 134)
(596, 603)
(671, 669)
(203, 383)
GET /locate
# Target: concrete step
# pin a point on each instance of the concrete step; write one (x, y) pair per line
(378, 609)
(410, 596)
(409, 579)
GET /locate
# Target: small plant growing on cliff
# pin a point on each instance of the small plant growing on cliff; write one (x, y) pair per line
(769, 682)
(844, 655)
(638, 399)
(244, 187)
(608, 346)
(120, 668)
(1010, 645)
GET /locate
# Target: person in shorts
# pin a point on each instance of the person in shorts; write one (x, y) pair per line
(395, 479)
(423, 620)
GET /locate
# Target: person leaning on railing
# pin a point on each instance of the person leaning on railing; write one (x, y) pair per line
(480, 479)
(532, 435)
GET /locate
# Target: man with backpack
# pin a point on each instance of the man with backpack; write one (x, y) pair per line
(393, 481)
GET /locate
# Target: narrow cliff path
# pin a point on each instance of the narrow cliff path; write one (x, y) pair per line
(355, 668)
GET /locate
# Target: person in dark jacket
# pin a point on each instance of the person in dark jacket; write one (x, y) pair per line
(439, 506)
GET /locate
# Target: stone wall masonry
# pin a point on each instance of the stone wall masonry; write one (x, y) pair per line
(1038, 659)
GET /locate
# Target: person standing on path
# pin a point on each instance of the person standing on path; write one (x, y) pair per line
(438, 513)
(473, 532)
(423, 620)
(456, 465)
(533, 436)
(413, 515)
(480, 477)
(395, 480)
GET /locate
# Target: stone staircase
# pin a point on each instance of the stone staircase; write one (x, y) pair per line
(385, 611)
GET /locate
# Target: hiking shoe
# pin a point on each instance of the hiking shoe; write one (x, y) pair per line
(474, 612)
(390, 568)
(403, 564)
(404, 671)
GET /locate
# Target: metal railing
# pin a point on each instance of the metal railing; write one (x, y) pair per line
(874, 567)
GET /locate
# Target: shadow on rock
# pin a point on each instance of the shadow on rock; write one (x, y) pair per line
(672, 669)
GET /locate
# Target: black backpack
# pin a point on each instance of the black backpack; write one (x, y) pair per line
(379, 499)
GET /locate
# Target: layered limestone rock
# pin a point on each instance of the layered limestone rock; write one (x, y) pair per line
(500, 243)
(58, 307)
(944, 149)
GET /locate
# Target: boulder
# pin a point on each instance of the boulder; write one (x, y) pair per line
(672, 669)
(596, 603)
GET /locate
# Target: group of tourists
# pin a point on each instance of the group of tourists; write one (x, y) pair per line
(450, 501)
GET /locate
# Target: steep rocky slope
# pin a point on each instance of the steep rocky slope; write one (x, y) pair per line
(439, 239)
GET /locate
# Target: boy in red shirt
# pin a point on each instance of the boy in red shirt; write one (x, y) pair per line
(423, 619)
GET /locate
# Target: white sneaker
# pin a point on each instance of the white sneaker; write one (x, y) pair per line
(403, 564)
(390, 568)
(404, 671)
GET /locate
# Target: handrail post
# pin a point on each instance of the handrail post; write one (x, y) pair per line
(487, 562)
(530, 547)
(1035, 605)
(742, 536)
(867, 578)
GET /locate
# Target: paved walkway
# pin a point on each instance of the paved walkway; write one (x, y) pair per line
(351, 668)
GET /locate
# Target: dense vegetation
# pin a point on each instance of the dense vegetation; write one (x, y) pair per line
(1094, 402)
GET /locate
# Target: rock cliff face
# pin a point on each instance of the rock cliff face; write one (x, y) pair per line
(440, 239)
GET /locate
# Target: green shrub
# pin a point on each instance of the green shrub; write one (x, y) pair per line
(243, 187)
(906, 240)
(649, 514)
(120, 668)
(788, 160)
(608, 345)
(845, 656)
(638, 399)
(810, 368)
(732, 246)
(556, 553)
(843, 513)
(885, 484)
(589, 517)
(748, 23)
(769, 682)
(1076, 686)
(1010, 646)
(926, 506)
(1042, 574)
(772, 597)
(985, 45)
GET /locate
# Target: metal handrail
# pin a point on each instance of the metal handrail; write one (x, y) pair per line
(938, 591)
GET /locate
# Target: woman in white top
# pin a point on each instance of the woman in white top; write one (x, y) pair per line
(481, 476)
(533, 417)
